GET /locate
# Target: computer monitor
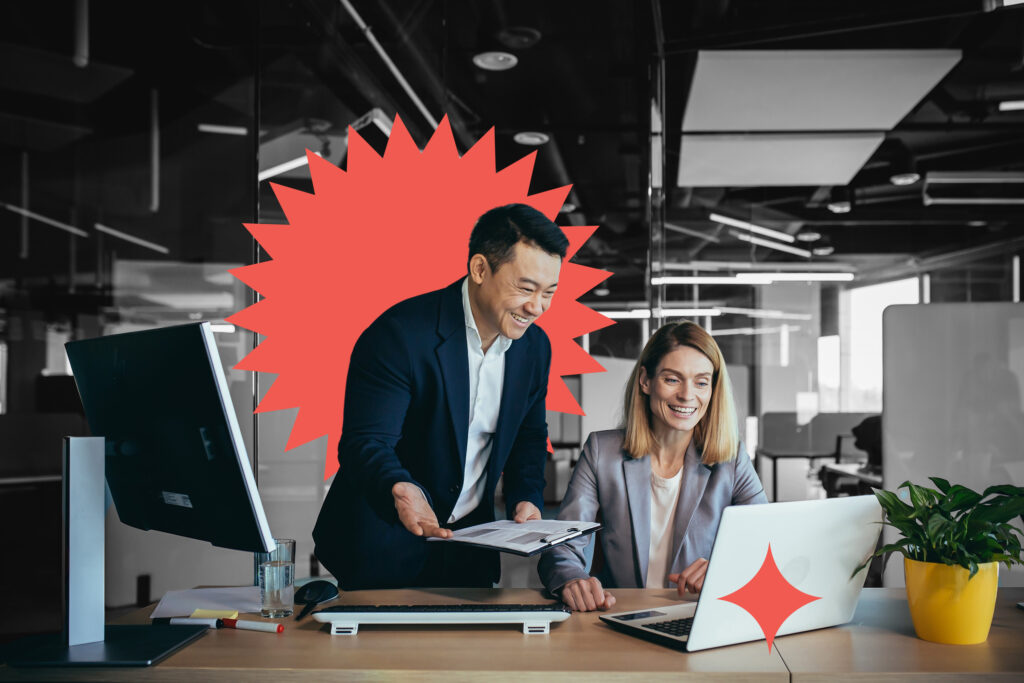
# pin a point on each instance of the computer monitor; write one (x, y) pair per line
(175, 459)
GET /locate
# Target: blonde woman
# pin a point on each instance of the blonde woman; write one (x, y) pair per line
(660, 484)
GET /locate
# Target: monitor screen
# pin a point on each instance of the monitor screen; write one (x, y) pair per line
(175, 459)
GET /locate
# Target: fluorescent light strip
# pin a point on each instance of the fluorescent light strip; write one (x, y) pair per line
(692, 233)
(768, 232)
(645, 313)
(754, 266)
(754, 330)
(708, 280)
(764, 313)
(222, 130)
(131, 238)
(222, 328)
(43, 219)
(284, 168)
(771, 245)
(796, 277)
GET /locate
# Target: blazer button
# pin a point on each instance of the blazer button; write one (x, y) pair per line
(456, 488)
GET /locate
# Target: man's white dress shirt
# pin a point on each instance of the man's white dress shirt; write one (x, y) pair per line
(486, 379)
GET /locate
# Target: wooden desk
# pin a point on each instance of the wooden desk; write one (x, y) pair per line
(879, 644)
(581, 648)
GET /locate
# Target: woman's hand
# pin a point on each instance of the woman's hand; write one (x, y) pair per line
(691, 579)
(586, 595)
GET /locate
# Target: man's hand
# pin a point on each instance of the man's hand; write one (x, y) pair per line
(414, 511)
(691, 579)
(525, 511)
(586, 595)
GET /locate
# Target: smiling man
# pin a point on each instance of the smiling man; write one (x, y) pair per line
(445, 393)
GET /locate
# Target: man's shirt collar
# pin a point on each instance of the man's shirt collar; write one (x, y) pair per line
(501, 343)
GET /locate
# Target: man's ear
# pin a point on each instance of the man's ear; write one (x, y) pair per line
(478, 268)
(645, 381)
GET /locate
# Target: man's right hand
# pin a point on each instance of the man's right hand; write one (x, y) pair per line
(586, 595)
(414, 511)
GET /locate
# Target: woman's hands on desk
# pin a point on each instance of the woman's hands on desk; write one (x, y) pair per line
(586, 595)
(691, 579)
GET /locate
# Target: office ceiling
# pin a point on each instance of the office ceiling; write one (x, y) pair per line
(750, 84)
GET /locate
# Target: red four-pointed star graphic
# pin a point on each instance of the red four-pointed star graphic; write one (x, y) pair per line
(769, 598)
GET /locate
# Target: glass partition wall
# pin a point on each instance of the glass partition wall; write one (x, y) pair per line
(126, 172)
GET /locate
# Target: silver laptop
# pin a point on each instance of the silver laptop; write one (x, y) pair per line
(816, 545)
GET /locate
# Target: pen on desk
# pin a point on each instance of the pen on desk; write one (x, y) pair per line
(189, 621)
(268, 626)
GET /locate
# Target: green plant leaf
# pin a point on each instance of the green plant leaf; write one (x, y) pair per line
(960, 498)
(936, 523)
(941, 483)
(1005, 489)
(999, 510)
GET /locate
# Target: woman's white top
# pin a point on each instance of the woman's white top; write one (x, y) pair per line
(664, 498)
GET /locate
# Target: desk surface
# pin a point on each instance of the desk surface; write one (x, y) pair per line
(878, 644)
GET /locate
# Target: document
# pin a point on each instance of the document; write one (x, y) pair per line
(183, 603)
(524, 539)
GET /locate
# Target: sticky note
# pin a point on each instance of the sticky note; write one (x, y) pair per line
(214, 614)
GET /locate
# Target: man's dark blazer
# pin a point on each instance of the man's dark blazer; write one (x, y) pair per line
(407, 419)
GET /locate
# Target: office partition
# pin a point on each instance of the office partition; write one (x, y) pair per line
(953, 380)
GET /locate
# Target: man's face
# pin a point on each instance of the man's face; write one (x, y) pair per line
(509, 300)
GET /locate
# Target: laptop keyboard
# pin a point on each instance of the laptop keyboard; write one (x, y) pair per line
(673, 627)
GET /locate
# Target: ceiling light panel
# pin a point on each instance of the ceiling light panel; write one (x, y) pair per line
(774, 160)
(810, 90)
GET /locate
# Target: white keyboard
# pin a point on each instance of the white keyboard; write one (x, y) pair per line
(345, 619)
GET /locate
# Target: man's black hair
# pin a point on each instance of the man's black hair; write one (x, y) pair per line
(497, 232)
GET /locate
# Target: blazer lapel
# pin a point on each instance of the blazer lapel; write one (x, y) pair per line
(514, 390)
(695, 479)
(454, 359)
(637, 474)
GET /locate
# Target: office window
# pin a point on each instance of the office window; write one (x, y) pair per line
(861, 341)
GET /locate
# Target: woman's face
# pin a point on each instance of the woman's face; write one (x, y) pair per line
(680, 390)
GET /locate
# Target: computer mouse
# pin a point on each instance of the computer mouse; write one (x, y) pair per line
(312, 594)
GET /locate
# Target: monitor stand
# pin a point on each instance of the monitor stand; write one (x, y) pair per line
(85, 640)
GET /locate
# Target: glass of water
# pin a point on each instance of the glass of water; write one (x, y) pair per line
(277, 579)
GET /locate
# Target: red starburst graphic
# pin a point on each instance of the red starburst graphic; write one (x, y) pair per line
(386, 229)
(769, 598)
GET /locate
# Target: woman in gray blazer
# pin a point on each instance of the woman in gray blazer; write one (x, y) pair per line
(659, 485)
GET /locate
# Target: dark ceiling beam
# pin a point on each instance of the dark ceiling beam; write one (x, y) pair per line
(420, 59)
(345, 64)
(938, 261)
(853, 23)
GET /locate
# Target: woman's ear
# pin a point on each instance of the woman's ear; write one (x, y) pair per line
(645, 382)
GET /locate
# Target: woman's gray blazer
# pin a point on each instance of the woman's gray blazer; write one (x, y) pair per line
(609, 486)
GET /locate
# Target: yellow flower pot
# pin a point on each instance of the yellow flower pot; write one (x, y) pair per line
(947, 607)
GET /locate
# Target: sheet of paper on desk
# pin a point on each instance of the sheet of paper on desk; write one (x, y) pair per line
(183, 603)
(521, 539)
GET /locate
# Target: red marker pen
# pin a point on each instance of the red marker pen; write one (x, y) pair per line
(267, 626)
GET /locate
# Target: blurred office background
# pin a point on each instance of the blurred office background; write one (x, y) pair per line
(801, 166)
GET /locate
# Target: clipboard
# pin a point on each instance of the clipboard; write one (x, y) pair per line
(525, 540)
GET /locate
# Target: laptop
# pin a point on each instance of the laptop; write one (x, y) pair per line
(816, 545)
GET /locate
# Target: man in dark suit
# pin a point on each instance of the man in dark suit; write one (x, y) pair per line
(445, 393)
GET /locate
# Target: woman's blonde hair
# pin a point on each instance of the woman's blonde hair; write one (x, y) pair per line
(717, 434)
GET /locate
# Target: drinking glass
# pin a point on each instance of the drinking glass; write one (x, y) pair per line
(277, 579)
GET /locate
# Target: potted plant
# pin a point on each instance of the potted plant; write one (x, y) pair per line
(953, 541)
